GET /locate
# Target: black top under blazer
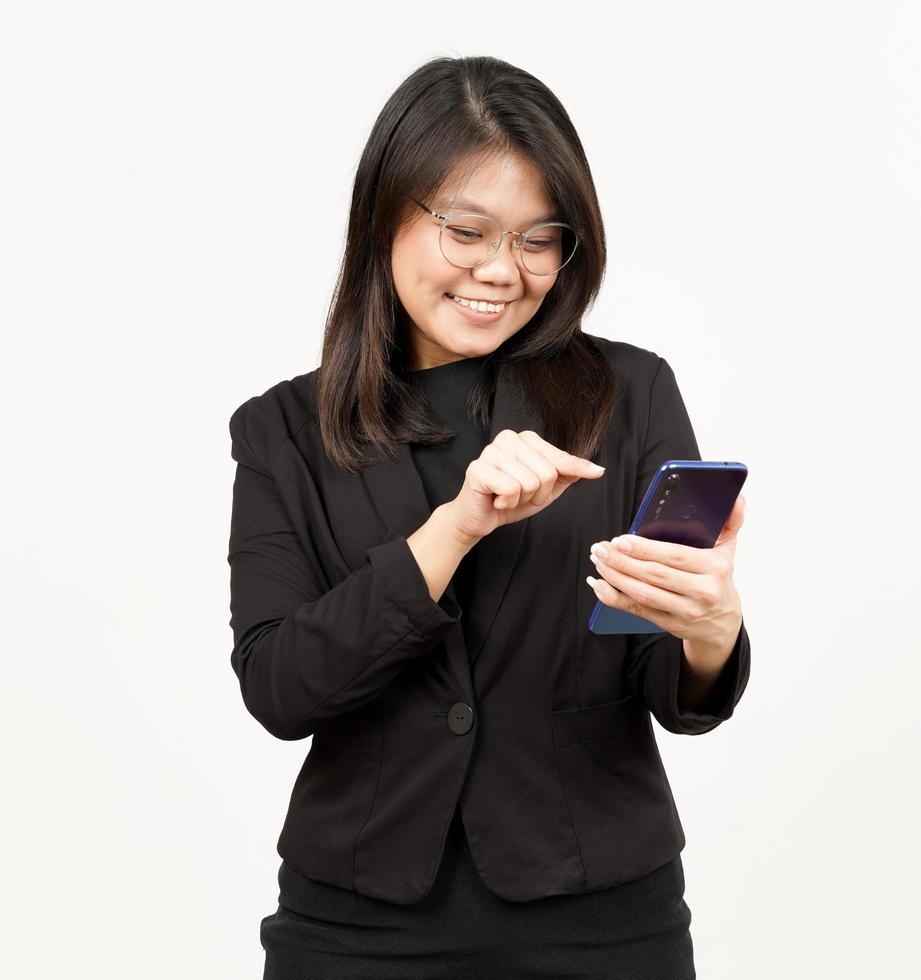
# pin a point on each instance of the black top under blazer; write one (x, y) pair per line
(537, 728)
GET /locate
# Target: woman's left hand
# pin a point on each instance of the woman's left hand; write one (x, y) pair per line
(687, 591)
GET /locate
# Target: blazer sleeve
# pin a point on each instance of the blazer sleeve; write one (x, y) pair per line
(654, 660)
(304, 654)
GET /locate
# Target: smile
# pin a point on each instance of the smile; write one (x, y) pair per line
(479, 311)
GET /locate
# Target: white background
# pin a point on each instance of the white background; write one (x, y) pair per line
(175, 185)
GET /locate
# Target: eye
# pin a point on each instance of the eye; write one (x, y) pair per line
(541, 244)
(464, 234)
(467, 229)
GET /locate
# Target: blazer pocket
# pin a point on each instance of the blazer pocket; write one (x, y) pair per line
(599, 721)
(622, 809)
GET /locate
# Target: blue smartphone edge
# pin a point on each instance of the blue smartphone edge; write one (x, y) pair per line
(606, 620)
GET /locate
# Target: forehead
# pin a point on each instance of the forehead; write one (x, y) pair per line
(528, 218)
(509, 188)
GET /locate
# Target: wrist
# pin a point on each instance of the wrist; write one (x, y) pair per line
(711, 655)
(446, 515)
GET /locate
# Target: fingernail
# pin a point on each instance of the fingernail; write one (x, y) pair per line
(593, 582)
(597, 468)
(600, 549)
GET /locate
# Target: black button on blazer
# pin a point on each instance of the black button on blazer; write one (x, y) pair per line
(538, 729)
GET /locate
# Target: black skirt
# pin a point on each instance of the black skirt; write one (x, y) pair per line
(639, 930)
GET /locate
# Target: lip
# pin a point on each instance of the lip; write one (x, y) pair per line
(477, 317)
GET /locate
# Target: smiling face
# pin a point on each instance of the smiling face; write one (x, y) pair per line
(439, 329)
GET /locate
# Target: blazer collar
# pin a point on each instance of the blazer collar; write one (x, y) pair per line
(399, 497)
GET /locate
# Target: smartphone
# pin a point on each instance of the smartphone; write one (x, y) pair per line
(688, 502)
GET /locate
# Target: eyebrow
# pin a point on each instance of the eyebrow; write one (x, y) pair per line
(463, 205)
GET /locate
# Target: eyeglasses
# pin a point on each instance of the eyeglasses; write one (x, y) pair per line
(468, 239)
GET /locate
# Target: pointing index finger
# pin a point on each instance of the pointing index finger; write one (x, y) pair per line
(565, 463)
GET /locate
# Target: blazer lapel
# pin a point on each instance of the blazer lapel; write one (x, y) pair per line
(399, 498)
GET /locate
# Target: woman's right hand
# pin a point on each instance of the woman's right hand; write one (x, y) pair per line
(516, 476)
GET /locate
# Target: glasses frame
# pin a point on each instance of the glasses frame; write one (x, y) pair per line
(442, 219)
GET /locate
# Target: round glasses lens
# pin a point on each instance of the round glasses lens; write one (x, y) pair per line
(548, 248)
(468, 240)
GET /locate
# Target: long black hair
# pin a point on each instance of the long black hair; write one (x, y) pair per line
(455, 113)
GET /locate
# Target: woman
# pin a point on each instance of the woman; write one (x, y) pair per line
(483, 795)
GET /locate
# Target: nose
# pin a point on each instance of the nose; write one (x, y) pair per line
(503, 266)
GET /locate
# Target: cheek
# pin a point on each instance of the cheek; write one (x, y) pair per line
(416, 276)
(429, 273)
(416, 256)
(541, 290)
(535, 296)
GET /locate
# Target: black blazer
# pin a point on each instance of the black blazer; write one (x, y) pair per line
(539, 728)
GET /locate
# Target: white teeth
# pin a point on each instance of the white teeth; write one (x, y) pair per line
(481, 306)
